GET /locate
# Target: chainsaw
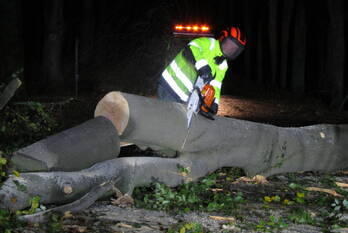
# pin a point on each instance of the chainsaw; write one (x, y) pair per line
(200, 100)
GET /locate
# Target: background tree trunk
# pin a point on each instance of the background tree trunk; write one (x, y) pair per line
(260, 52)
(273, 40)
(52, 48)
(87, 30)
(299, 50)
(250, 43)
(32, 38)
(336, 50)
(286, 16)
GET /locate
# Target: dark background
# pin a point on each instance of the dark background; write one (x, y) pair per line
(293, 45)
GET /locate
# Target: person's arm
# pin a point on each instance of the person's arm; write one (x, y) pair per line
(199, 49)
(217, 83)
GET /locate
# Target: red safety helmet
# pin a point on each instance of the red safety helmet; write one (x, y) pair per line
(235, 35)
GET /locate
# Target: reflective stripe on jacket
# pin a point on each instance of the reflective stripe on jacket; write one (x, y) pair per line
(182, 72)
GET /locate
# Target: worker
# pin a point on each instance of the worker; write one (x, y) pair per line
(206, 57)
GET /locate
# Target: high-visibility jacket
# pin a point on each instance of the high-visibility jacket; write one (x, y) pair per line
(199, 58)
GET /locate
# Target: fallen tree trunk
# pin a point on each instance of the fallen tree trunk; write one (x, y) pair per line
(225, 142)
(76, 206)
(126, 173)
(73, 149)
(257, 148)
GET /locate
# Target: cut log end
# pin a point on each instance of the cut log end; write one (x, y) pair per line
(114, 107)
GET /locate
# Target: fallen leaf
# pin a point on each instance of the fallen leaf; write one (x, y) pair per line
(342, 185)
(329, 191)
(81, 229)
(124, 225)
(67, 215)
(257, 179)
(13, 200)
(217, 190)
(16, 173)
(221, 218)
(123, 200)
(260, 179)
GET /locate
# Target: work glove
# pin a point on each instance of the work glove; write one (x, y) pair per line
(205, 74)
(207, 77)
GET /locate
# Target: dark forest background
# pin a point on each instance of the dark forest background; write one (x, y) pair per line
(94, 46)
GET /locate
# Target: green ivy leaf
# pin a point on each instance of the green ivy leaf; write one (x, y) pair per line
(345, 203)
(3, 161)
(16, 173)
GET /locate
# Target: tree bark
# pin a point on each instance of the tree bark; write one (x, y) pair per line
(224, 142)
(53, 39)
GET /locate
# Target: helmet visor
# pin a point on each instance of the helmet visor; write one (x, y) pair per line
(230, 48)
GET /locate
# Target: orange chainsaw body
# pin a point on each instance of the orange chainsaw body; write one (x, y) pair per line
(208, 93)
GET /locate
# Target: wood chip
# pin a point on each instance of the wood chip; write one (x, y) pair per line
(329, 191)
(221, 218)
(342, 185)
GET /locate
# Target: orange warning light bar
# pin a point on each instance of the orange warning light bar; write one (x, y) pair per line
(192, 30)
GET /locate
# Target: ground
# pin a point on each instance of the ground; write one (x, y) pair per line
(283, 203)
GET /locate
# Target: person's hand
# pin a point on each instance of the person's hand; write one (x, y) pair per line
(205, 74)
(207, 77)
